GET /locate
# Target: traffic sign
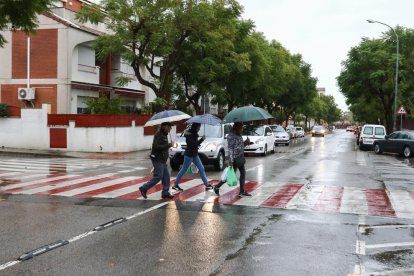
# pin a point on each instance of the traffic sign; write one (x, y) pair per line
(402, 111)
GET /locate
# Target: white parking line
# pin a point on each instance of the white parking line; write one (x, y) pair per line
(396, 244)
(390, 272)
(362, 228)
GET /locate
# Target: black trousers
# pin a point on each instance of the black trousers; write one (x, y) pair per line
(242, 179)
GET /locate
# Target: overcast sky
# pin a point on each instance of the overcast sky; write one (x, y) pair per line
(323, 31)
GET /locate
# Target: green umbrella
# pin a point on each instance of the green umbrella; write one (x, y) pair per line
(247, 113)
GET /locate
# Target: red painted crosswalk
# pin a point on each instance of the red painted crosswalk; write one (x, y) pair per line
(316, 198)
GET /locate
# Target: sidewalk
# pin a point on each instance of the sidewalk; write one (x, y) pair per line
(69, 154)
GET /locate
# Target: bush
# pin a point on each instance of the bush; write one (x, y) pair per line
(104, 105)
(3, 110)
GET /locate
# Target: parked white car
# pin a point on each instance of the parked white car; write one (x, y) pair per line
(262, 138)
(213, 150)
(369, 134)
(281, 136)
(300, 131)
(292, 131)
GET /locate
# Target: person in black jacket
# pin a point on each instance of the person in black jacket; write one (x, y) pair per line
(159, 157)
(191, 156)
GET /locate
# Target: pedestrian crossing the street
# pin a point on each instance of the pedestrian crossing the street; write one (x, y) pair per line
(271, 194)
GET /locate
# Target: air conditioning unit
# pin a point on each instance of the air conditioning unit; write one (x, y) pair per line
(26, 94)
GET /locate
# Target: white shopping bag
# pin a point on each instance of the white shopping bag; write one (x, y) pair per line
(193, 168)
(223, 176)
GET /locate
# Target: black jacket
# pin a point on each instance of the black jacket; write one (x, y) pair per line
(160, 147)
(191, 138)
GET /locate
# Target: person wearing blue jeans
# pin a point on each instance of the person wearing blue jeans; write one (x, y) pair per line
(191, 156)
(159, 157)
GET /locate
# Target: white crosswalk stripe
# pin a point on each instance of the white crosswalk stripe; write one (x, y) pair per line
(354, 201)
(63, 184)
(95, 186)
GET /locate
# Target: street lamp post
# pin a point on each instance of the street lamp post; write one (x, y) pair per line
(396, 74)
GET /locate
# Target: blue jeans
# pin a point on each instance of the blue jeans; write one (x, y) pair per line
(161, 173)
(187, 162)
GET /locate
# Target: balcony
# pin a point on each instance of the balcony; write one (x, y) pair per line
(133, 84)
(86, 73)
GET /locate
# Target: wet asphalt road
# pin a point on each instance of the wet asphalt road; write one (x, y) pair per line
(196, 238)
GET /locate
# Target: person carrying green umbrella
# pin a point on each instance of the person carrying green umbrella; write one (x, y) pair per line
(236, 157)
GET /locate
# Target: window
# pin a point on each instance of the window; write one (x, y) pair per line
(82, 107)
(404, 136)
(86, 55)
(379, 131)
(393, 135)
(253, 131)
(368, 130)
(227, 129)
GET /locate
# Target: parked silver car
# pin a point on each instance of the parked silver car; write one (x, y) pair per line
(281, 136)
(213, 150)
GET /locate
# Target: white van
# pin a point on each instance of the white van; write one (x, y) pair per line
(369, 134)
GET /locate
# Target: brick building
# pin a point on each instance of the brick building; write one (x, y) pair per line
(64, 71)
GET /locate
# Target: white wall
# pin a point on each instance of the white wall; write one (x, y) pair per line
(32, 132)
(28, 132)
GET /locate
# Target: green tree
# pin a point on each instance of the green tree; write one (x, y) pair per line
(151, 34)
(244, 79)
(367, 79)
(21, 14)
(209, 55)
(301, 87)
(332, 112)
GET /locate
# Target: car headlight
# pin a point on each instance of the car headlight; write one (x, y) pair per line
(176, 146)
(313, 131)
(210, 147)
(322, 131)
(259, 141)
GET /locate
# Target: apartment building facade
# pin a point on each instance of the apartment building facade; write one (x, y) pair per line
(58, 66)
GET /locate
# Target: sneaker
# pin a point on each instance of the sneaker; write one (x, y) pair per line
(143, 192)
(244, 194)
(216, 190)
(169, 196)
(209, 187)
(177, 188)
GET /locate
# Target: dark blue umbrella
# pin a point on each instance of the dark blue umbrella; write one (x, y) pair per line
(167, 116)
(205, 119)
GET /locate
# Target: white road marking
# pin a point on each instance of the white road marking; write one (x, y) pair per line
(354, 201)
(254, 168)
(360, 247)
(306, 198)
(384, 245)
(402, 202)
(390, 272)
(86, 234)
(260, 194)
(64, 184)
(9, 264)
(10, 174)
(23, 184)
(363, 227)
(100, 185)
(280, 157)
